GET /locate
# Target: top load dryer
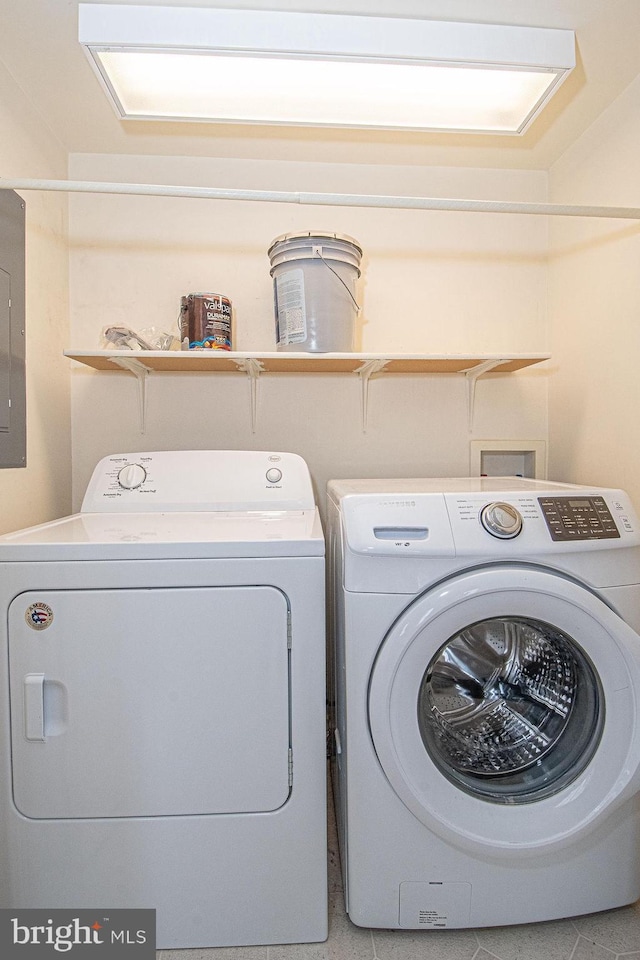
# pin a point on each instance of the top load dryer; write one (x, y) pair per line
(162, 735)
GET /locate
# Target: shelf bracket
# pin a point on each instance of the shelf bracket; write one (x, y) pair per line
(253, 368)
(368, 369)
(471, 376)
(141, 373)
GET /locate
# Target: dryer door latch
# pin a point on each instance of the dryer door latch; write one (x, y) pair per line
(34, 706)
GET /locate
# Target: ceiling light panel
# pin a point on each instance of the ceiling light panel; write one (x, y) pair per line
(322, 69)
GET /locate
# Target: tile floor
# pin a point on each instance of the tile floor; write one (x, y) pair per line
(602, 936)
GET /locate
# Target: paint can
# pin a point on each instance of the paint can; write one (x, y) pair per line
(205, 321)
(314, 291)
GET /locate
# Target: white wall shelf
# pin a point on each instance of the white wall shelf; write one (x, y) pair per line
(253, 364)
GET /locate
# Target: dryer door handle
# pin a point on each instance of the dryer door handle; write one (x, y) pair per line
(34, 706)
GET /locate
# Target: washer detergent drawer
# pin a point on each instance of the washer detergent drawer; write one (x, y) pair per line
(157, 702)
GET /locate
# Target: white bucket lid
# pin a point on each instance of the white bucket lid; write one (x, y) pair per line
(319, 234)
(303, 246)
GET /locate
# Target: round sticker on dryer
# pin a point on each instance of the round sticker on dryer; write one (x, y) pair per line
(39, 616)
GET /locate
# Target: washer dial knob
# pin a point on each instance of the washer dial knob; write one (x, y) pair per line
(501, 520)
(132, 476)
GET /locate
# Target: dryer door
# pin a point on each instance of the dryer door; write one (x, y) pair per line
(503, 709)
(142, 703)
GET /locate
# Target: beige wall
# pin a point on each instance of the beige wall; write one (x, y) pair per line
(42, 490)
(595, 307)
(432, 283)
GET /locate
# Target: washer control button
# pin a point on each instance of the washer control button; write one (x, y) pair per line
(274, 475)
(132, 476)
(501, 520)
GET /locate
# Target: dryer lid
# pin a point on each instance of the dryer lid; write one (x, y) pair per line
(179, 535)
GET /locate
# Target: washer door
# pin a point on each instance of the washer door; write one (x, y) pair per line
(502, 707)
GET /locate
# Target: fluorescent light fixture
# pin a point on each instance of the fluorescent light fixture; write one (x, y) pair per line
(256, 66)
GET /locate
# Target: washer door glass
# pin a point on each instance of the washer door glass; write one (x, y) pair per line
(510, 709)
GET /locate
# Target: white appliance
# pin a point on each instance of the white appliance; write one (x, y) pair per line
(162, 696)
(486, 671)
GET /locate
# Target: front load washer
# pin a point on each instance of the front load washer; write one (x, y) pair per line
(162, 696)
(486, 677)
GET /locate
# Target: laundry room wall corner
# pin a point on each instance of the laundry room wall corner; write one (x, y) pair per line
(594, 307)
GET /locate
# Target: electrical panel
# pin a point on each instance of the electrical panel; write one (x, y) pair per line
(13, 430)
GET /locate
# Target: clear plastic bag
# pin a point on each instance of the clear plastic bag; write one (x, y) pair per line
(124, 338)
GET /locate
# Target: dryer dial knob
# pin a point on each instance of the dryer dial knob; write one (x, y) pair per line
(501, 520)
(132, 476)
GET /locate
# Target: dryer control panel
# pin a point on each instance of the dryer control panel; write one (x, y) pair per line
(199, 480)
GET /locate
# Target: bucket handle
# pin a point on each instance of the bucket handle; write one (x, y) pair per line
(317, 252)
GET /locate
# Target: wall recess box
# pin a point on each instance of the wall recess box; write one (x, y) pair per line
(508, 458)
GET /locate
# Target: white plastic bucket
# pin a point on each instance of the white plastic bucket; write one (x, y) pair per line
(314, 291)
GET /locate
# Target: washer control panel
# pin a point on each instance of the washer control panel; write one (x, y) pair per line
(503, 522)
(578, 518)
(489, 518)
